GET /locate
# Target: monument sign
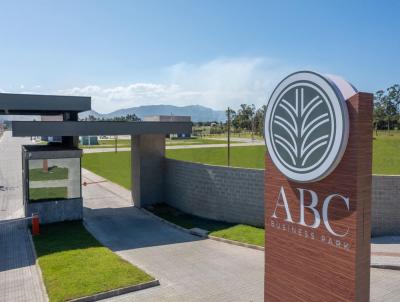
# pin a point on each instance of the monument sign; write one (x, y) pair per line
(318, 132)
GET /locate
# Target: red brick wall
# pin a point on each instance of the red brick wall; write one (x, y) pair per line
(305, 269)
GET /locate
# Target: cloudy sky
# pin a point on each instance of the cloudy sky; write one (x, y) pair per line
(213, 53)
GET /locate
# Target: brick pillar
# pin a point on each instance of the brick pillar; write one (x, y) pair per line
(305, 264)
(148, 154)
(45, 166)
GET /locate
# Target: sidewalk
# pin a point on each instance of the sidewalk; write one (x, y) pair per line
(385, 252)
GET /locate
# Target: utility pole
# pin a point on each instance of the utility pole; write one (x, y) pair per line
(229, 136)
(116, 143)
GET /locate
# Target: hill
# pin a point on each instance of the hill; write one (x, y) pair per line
(197, 112)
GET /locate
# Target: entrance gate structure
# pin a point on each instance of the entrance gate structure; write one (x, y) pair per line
(147, 153)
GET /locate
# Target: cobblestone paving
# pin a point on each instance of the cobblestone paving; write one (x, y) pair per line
(19, 277)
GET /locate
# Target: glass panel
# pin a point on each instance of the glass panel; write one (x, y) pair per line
(54, 179)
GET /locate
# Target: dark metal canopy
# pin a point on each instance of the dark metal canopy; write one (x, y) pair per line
(35, 104)
(66, 128)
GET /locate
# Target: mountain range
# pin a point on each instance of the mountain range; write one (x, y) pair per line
(197, 112)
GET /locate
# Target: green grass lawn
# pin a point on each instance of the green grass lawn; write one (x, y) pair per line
(194, 141)
(43, 194)
(125, 143)
(246, 157)
(243, 233)
(104, 146)
(238, 232)
(115, 167)
(74, 264)
(239, 135)
(54, 173)
(112, 141)
(386, 154)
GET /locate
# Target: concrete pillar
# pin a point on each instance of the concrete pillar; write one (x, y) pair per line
(70, 141)
(148, 154)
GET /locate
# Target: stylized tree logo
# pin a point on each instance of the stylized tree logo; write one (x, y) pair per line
(306, 126)
(301, 127)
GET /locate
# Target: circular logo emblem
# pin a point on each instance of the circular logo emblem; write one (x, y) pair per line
(306, 126)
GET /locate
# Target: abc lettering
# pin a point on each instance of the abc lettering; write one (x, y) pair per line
(312, 202)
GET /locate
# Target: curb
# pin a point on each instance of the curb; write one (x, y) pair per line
(385, 266)
(233, 242)
(117, 292)
(250, 246)
(38, 269)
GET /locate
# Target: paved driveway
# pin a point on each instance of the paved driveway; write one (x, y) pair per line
(189, 268)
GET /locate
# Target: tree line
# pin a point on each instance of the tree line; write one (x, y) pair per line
(386, 114)
(245, 119)
(127, 118)
(387, 109)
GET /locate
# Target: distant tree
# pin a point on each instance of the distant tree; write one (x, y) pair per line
(259, 120)
(386, 107)
(92, 118)
(378, 116)
(244, 117)
(394, 96)
(232, 114)
(132, 118)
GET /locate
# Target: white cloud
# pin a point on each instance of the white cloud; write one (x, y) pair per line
(216, 84)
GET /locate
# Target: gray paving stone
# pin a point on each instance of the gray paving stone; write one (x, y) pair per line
(19, 277)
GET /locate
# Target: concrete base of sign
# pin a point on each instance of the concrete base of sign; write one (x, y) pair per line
(56, 210)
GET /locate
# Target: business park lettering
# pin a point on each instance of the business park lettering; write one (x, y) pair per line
(309, 201)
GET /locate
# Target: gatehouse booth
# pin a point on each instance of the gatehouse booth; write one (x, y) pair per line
(52, 173)
(52, 182)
